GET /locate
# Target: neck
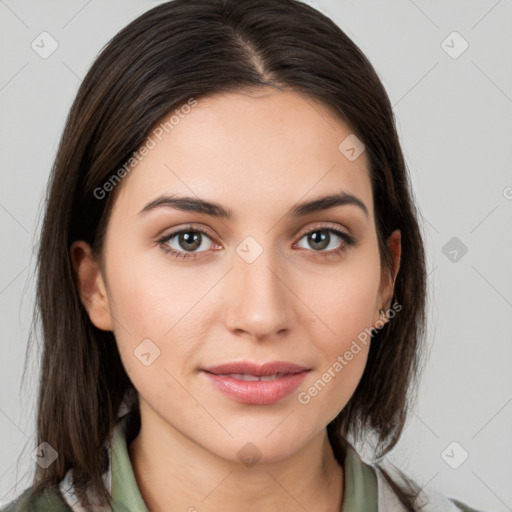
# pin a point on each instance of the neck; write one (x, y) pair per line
(174, 471)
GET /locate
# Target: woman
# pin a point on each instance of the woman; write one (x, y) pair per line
(231, 276)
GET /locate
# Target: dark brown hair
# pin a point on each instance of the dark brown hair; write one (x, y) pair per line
(175, 51)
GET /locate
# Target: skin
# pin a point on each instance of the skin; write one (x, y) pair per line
(258, 154)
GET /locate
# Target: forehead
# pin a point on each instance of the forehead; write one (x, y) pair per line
(253, 151)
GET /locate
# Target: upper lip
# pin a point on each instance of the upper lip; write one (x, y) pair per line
(248, 368)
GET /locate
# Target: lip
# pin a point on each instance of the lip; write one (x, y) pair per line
(249, 368)
(259, 392)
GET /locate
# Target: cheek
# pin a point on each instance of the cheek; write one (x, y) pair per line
(150, 296)
(151, 299)
(343, 301)
(327, 391)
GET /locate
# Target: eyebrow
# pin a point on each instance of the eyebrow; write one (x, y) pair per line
(194, 204)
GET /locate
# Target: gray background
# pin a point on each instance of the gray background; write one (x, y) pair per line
(454, 115)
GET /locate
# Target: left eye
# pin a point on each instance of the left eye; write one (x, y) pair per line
(323, 239)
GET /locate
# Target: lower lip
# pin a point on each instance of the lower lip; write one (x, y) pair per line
(257, 392)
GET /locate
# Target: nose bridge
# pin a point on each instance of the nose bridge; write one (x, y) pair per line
(260, 302)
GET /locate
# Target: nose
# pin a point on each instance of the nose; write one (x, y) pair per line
(258, 299)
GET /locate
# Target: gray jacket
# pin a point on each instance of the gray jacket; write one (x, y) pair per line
(433, 502)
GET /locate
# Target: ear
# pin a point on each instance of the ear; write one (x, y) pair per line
(387, 285)
(91, 286)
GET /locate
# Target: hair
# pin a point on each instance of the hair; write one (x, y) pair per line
(194, 48)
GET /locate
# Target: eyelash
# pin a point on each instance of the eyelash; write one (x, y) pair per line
(347, 242)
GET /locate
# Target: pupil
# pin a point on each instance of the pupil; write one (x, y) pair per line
(192, 238)
(319, 239)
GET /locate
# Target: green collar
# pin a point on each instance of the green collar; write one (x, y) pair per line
(125, 493)
(360, 484)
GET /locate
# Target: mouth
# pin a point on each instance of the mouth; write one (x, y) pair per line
(254, 384)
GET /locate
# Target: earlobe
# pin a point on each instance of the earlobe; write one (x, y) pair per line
(91, 285)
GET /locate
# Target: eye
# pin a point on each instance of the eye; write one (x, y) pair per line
(186, 242)
(327, 239)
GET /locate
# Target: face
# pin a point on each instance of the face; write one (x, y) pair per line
(185, 288)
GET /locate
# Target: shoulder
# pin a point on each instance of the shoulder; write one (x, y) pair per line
(463, 507)
(48, 500)
(427, 500)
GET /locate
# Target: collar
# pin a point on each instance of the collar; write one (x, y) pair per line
(360, 480)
